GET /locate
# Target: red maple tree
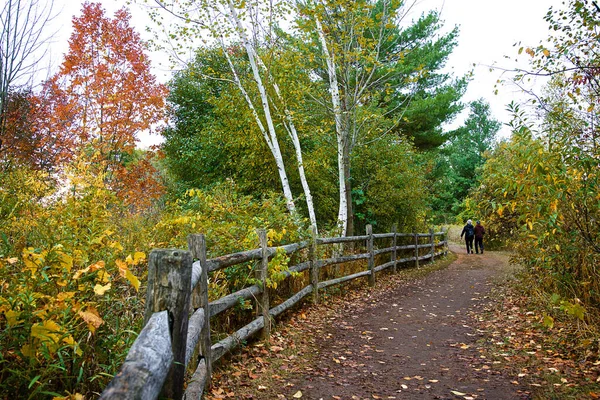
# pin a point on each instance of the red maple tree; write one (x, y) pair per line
(104, 95)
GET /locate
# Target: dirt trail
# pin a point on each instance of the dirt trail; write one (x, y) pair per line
(412, 341)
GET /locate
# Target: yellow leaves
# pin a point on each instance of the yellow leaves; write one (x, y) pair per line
(546, 52)
(530, 52)
(66, 261)
(33, 260)
(100, 289)
(92, 318)
(124, 270)
(137, 258)
(12, 317)
(65, 296)
(47, 332)
(135, 282)
(92, 268)
(50, 335)
(103, 277)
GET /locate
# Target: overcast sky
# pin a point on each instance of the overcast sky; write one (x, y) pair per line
(488, 31)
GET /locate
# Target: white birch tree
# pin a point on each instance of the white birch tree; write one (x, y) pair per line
(225, 21)
(352, 37)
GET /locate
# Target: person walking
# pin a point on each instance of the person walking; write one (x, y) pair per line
(479, 232)
(469, 233)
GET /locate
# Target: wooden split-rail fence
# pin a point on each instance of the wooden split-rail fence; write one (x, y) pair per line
(177, 335)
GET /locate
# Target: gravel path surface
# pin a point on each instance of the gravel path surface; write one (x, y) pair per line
(412, 341)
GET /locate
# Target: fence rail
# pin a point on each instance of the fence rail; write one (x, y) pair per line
(172, 340)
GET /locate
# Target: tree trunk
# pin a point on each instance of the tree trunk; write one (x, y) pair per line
(342, 134)
(269, 134)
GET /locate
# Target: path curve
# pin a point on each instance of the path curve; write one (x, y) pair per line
(412, 341)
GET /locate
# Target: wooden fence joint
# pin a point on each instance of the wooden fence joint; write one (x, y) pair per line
(169, 284)
(371, 255)
(263, 275)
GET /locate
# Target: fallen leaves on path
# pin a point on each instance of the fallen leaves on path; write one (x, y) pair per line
(558, 360)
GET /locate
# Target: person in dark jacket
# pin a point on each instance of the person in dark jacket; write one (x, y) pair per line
(469, 233)
(479, 232)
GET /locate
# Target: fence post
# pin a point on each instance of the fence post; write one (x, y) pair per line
(445, 240)
(169, 284)
(314, 268)
(445, 237)
(432, 238)
(263, 275)
(197, 245)
(416, 236)
(371, 256)
(394, 243)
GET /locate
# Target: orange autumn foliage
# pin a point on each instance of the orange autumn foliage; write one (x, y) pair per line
(104, 96)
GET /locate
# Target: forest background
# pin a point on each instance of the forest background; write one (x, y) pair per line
(288, 115)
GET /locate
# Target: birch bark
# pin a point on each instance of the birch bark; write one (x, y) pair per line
(340, 128)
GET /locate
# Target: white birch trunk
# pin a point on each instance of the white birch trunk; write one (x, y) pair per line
(291, 128)
(275, 149)
(339, 128)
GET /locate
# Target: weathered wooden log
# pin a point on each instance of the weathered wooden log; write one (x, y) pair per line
(193, 337)
(386, 250)
(371, 262)
(425, 246)
(263, 275)
(197, 244)
(196, 299)
(298, 267)
(233, 299)
(416, 241)
(405, 260)
(169, 283)
(250, 255)
(146, 366)
(383, 266)
(314, 267)
(229, 343)
(289, 303)
(394, 247)
(337, 281)
(196, 385)
(425, 257)
(406, 247)
(236, 258)
(341, 239)
(220, 348)
(423, 235)
(432, 240)
(294, 247)
(251, 292)
(383, 235)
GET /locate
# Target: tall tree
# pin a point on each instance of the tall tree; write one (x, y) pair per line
(23, 40)
(104, 94)
(364, 59)
(467, 150)
(249, 24)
